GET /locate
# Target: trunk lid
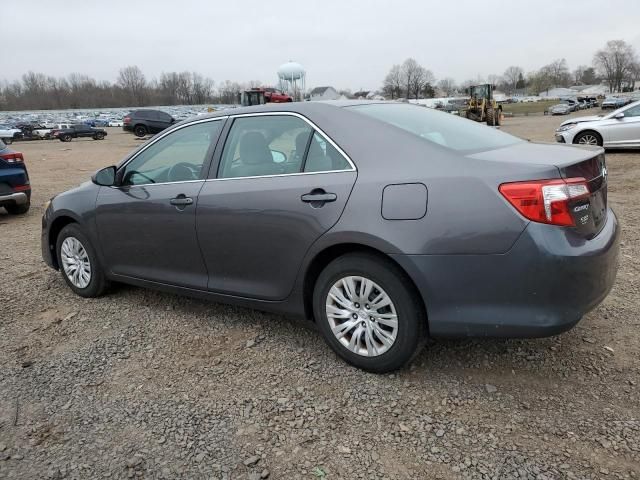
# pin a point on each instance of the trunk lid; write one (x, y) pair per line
(586, 162)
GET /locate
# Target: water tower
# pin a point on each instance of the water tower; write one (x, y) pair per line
(291, 76)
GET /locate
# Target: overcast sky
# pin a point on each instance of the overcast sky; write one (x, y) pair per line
(347, 44)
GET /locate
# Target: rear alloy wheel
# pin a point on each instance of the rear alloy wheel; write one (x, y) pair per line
(66, 138)
(588, 138)
(78, 263)
(140, 130)
(368, 313)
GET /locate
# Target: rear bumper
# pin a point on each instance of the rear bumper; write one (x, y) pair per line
(18, 198)
(127, 128)
(541, 287)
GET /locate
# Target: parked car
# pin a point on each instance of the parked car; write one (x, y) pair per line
(618, 129)
(613, 103)
(15, 189)
(560, 109)
(79, 130)
(9, 134)
(145, 121)
(573, 104)
(301, 211)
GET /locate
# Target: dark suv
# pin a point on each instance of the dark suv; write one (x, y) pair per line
(142, 122)
(15, 189)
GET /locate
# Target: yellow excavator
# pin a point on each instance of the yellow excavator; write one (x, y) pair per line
(482, 107)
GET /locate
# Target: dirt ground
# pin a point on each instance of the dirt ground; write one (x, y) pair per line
(151, 385)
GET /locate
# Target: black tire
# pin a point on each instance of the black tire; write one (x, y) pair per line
(583, 137)
(8, 140)
(66, 138)
(411, 317)
(98, 282)
(99, 136)
(498, 116)
(18, 209)
(140, 130)
(491, 117)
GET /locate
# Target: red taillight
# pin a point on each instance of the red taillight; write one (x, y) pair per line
(126, 120)
(22, 188)
(546, 201)
(13, 157)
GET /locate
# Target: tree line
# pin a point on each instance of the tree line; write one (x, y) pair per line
(616, 64)
(37, 91)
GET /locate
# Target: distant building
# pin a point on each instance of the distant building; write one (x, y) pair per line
(323, 93)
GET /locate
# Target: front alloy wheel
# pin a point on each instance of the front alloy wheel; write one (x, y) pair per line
(75, 262)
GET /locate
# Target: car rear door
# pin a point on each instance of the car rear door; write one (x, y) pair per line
(279, 185)
(146, 224)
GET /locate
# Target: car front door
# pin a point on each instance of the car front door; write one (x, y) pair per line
(279, 185)
(146, 223)
(625, 131)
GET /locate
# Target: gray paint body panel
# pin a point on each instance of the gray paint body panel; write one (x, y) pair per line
(480, 267)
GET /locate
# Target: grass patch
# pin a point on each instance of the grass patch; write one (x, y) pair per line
(528, 108)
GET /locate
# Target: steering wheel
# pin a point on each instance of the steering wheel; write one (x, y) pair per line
(182, 171)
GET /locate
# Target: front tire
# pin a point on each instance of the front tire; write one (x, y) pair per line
(369, 313)
(588, 138)
(8, 140)
(66, 138)
(79, 264)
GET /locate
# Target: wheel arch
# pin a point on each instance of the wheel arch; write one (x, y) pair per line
(54, 230)
(330, 253)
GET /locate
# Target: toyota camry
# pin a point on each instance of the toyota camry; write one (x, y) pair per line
(382, 223)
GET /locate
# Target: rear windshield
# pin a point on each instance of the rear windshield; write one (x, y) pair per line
(438, 127)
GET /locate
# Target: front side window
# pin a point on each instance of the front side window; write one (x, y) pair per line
(438, 127)
(633, 112)
(177, 157)
(266, 145)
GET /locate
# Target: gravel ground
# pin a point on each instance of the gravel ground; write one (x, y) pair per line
(145, 384)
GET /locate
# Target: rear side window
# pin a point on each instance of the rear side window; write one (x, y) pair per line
(323, 157)
(439, 127)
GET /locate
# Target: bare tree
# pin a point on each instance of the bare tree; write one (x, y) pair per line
(511, 76)
(410, 69)
(132, 80)
(558, 71)
(447, 85)
(393, 82)
(615, 62)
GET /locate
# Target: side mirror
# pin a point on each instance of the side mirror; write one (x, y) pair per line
(105, 177)
(619, 116)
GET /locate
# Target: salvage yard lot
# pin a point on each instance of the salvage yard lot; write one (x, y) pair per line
(147, 384)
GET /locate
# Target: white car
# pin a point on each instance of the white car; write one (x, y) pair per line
(618, 129)
(45, 133)
(8, 134)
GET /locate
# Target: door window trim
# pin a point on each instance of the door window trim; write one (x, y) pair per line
(315, 129)
(160, 136)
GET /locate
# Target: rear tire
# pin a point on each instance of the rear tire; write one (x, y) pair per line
(66, 138)
(400, 343)
(140, 131)
(97, 283)
(18, 209)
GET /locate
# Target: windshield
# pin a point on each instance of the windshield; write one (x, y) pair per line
(438, 127)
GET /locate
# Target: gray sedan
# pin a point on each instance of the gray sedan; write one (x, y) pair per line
(383, 223)
(618, 129)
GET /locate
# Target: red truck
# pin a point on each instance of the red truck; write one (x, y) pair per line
(262, 95)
